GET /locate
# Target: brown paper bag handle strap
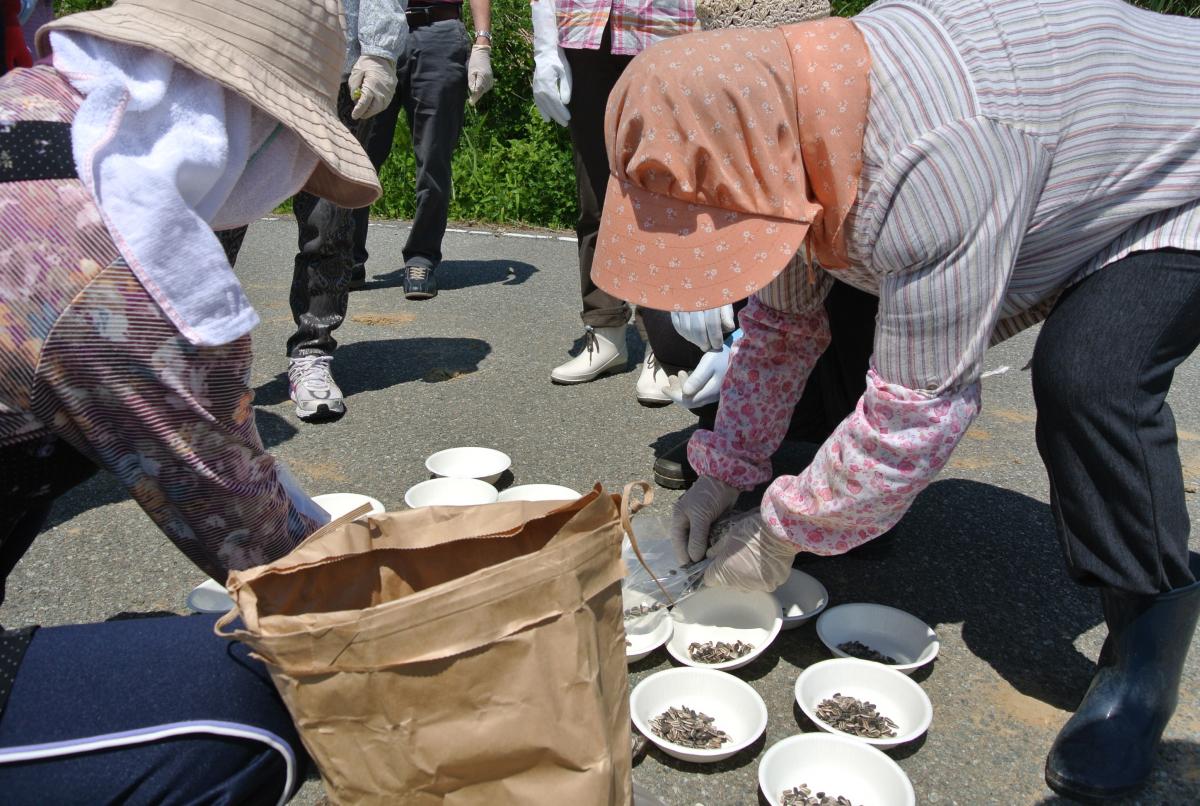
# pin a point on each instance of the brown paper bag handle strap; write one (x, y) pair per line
(631, 507)
(227, 618)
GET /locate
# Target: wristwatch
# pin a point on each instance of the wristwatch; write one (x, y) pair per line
(485, 34)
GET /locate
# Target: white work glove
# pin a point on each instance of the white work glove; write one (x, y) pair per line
(372, 84)
(703, 385)
(551, 75)
(749, 557)
(695, 511)
(705, 329)
(479, 72)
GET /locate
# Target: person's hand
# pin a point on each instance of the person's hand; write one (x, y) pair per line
(703, 385)
(705, 329)
(749, 557)
(551, 75)
(695, 511)
(372, 84)
(479, 72)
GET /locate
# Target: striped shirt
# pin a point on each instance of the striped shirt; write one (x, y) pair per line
(635, 25)
(1031, 144)
(1012, 149)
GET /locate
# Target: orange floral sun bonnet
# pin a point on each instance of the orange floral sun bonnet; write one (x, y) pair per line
(729, 150)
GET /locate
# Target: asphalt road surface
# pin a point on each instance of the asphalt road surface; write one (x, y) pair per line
(976, 557)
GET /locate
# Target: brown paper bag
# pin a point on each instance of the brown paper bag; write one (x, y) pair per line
(454, 655)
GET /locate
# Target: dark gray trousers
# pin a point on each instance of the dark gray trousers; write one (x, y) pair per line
(432, 91)
(594, 72)
(1102, 367)
(321, 271)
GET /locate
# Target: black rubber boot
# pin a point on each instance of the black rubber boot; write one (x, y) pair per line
(1107, 748)
(672, 470)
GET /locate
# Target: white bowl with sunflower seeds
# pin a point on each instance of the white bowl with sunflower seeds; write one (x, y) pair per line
(903, 637)
(724, 616)
(835, 766)
(892, 694)
(735, 708)
(644, 632)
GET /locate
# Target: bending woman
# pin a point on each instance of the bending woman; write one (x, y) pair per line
(124, 344)
(980, 166)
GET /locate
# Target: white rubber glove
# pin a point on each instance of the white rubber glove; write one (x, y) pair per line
(703, 385)
(372, 84)
(749, 557)
(695, 511)
(479, 72)
(551, 75)
(705, 329)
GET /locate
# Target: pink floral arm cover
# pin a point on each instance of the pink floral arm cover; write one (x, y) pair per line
(866, 475)
(767, 372)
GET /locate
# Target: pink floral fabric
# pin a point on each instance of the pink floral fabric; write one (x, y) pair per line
(767, 371)
(866, 475)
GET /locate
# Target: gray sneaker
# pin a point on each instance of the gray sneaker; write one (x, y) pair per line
(311, 387)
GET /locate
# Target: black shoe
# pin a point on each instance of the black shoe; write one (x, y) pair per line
(419, 283)
(358, 277)
(1107, 748)
(672, 470)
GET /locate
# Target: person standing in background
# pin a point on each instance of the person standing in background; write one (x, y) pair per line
(376, 31)
(439, 70)
(580, 49)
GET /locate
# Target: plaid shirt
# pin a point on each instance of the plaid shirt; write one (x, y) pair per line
(636, 24)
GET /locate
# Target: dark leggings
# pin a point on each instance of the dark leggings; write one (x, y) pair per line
(837, 381)
(1102, 367)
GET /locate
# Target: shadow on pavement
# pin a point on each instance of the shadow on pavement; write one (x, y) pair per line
(368, 366)
(987, 558)
(456, 274)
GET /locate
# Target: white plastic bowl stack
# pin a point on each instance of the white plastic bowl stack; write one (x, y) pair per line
(885, 629)
(893, 694)
(485, 464)
(724, 614)
(538, 492)
(734, 706)
(836, 766)
(800, 598)
(450, 492)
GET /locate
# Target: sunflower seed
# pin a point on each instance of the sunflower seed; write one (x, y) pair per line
(855, 717)
(718, 652)
(689, 728)
(803, 796)
(857, 649)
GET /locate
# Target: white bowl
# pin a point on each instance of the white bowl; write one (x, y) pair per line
(450, 493)
(836, 766)
(644, 633)
(338, 504)
(485, 464)
(209, 596)
(538, 492)
(800, 598)
(885, 629)
(734, 706)
(724, 614)
(893, 694)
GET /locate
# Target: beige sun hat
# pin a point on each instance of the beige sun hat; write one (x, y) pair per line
(283, 56)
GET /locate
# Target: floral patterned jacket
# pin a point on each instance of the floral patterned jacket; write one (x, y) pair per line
(86, 356)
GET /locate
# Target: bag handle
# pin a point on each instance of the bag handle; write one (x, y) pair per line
(631, 507)
(233, 612)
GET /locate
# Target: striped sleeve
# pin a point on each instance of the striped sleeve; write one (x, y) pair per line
(963, 198)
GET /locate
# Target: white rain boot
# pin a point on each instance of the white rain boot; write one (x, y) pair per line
(603, 351)
(652, 383)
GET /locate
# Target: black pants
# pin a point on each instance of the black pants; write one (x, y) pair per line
(321, 271)
(432, 91)
(837, 381)
(1102, 367)
(593, 72)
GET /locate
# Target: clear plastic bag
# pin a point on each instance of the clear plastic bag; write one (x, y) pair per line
(652, 531)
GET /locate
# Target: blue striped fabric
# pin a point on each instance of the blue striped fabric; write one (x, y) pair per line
(1013, 148)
